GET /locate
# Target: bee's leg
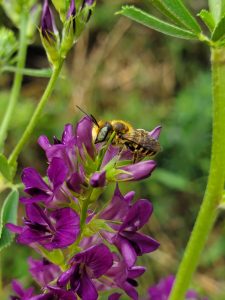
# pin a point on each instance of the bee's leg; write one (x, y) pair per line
(135, 157)
(121, 151)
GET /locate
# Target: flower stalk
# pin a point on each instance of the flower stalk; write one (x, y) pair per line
(215, 185)
(37, 113)
(17, 79)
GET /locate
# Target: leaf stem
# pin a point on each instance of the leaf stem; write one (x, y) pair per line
(36, 115)
(215, 185)
(29, 72)
(17, 80)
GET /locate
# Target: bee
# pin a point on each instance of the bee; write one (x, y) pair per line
(138, 141)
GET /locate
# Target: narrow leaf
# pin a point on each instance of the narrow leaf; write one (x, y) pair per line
(217, 8)
(8, 215)
(5, 169)
(152, 22)
(219, 31)
(177, 12)
(207, 18)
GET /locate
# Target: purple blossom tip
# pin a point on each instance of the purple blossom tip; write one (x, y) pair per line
(89, 2)
(98, 179)
(137, 171)
(155, 133)
(48, 27)
(72, 10)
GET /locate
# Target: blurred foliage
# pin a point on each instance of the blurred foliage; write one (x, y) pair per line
(122, 70)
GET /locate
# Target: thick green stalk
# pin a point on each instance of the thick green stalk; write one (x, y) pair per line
(36, 115)
(17, 80)
(215, 185)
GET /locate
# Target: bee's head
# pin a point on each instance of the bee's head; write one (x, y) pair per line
(102, 132)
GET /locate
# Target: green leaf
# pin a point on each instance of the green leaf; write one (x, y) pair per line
(172, 180)
(217, 8)
(8, 215)
(177, 12)
(55, 256)
(207, 18)
(152, 22)
(5, 169)
(98, 224)
(219, 31)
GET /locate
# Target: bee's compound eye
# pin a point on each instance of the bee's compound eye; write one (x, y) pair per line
(103, 133)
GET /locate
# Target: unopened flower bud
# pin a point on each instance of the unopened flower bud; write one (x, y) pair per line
(49, 34)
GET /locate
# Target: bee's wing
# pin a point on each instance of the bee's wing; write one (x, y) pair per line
(141, 138)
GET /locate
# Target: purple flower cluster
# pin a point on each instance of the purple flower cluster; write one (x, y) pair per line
(88, 247)
(161, 291)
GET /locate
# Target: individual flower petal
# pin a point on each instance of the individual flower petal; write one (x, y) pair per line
(48, 27)
(137, 216)
(127, 250)
(84, 137)
(155, 133)
(77, 181)
(67, 225)
(14, 228)
(138, 171)
(141, 242)
(89, 2)
(87, 290)
(68, 133)
(34, 184)
(98, 179)
(57, 172)
(72, 9)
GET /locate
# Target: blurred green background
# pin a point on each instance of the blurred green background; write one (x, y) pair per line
(121, 70)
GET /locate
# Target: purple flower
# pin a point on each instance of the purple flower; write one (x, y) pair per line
(64, 148)
(72, 9)
(48, 28)
(43, 271)
(155, 133)
(138, 171)
(86, 266)
(89, 2)
(36, 187)
(77, 180)
(84, 139)
(161, 290)
(98, 179)
(129, 242)
(124, 277)
(118, 206)
(22, 294)
(57, 229)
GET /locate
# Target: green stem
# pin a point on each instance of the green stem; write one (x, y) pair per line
(215, 185)
(36, 115)
(29, 72)
(17, 80)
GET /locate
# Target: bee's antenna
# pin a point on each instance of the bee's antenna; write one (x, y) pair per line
(90, 116)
